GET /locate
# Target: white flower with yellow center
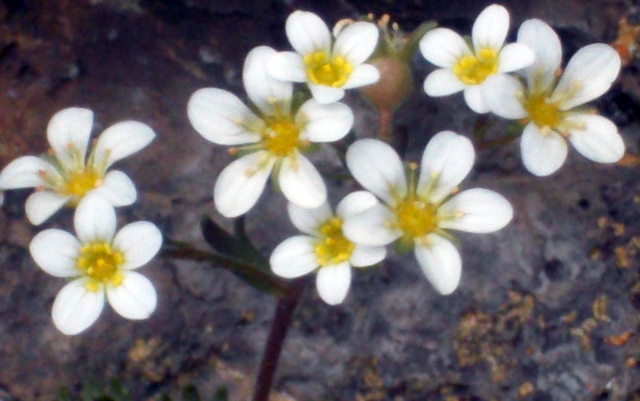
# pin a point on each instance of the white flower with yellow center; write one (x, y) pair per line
(272, 135)
(464, 69)
(551, 104)
(324, 248)
(67, 174)
(100, 262)
(327, 66)
(419, 210)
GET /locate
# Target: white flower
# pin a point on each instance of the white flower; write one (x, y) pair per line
(465, 69)
(69, 175)
(99, 262)
(549, 105)
(328, 67)
(418, 210)
(273, 137)
(324, 248)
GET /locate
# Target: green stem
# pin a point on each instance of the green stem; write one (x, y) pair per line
(275, 342)
(259, 278)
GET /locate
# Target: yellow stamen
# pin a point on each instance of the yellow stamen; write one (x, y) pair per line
(332, 247)
(101, 264)
(473, 70)
(323, 70)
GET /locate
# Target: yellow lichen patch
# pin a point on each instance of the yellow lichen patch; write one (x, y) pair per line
(324, 70)
(281, 136)
(332, 247)
(542, 112)
(474, 69)
(101, 264)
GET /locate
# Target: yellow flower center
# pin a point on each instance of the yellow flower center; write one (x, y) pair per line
(415, 218)
(281, 136)
(101, 263)
(78, 183)
(333, 248)
(542, 112)
(323, 70)
(473, 70)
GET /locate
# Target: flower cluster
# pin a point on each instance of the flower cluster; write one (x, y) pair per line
(414, 206)
(548, 103)
(99, 261)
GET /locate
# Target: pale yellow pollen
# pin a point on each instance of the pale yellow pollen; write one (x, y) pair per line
(101, 265)
(324, 70)
(332, 247)
(281, 136)
(544, 113)
(474, 69)
(415, 217)
(78, 183)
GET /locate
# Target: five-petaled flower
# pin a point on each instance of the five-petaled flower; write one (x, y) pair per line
(324, 248)
(465, 69)
(273, 136)
(69, 175)
(418, 210)
(100, 263)
(328, 67)
(551, 105)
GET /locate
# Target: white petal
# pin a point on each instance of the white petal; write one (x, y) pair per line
(477, 210)
(41, 205)
(326, 94)
(367, 255)
(301, 183)
(515, 56)
(333, 282)
(588, 75)
(545, 43)
(542, 154)
(371, 227)
(139, 242)
(220, 117)
(287, 66)
(135, 298)
(68, 132)
(448, 158)
(473, 97)
(24, 172)
(261, 87)
(241, 183)
(599, 140)
(354, 203)
(443, 47)
(442, 82)
(307, 32)
(119, 141)
(324, 122)
(55, 251)
(308, 220)
(95, 219)
(294, 257)
(378, 168)
(501, 93)
(362, 75)
(118, 189)
(440, 262)
(491, 28)
(357, 42)
(75, 308)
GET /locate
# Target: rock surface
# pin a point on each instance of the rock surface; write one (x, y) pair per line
(548, 308)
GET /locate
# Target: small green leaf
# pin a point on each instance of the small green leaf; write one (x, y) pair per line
(190, 393)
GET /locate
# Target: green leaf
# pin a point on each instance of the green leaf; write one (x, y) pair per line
(221, 395)
(190, 393)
